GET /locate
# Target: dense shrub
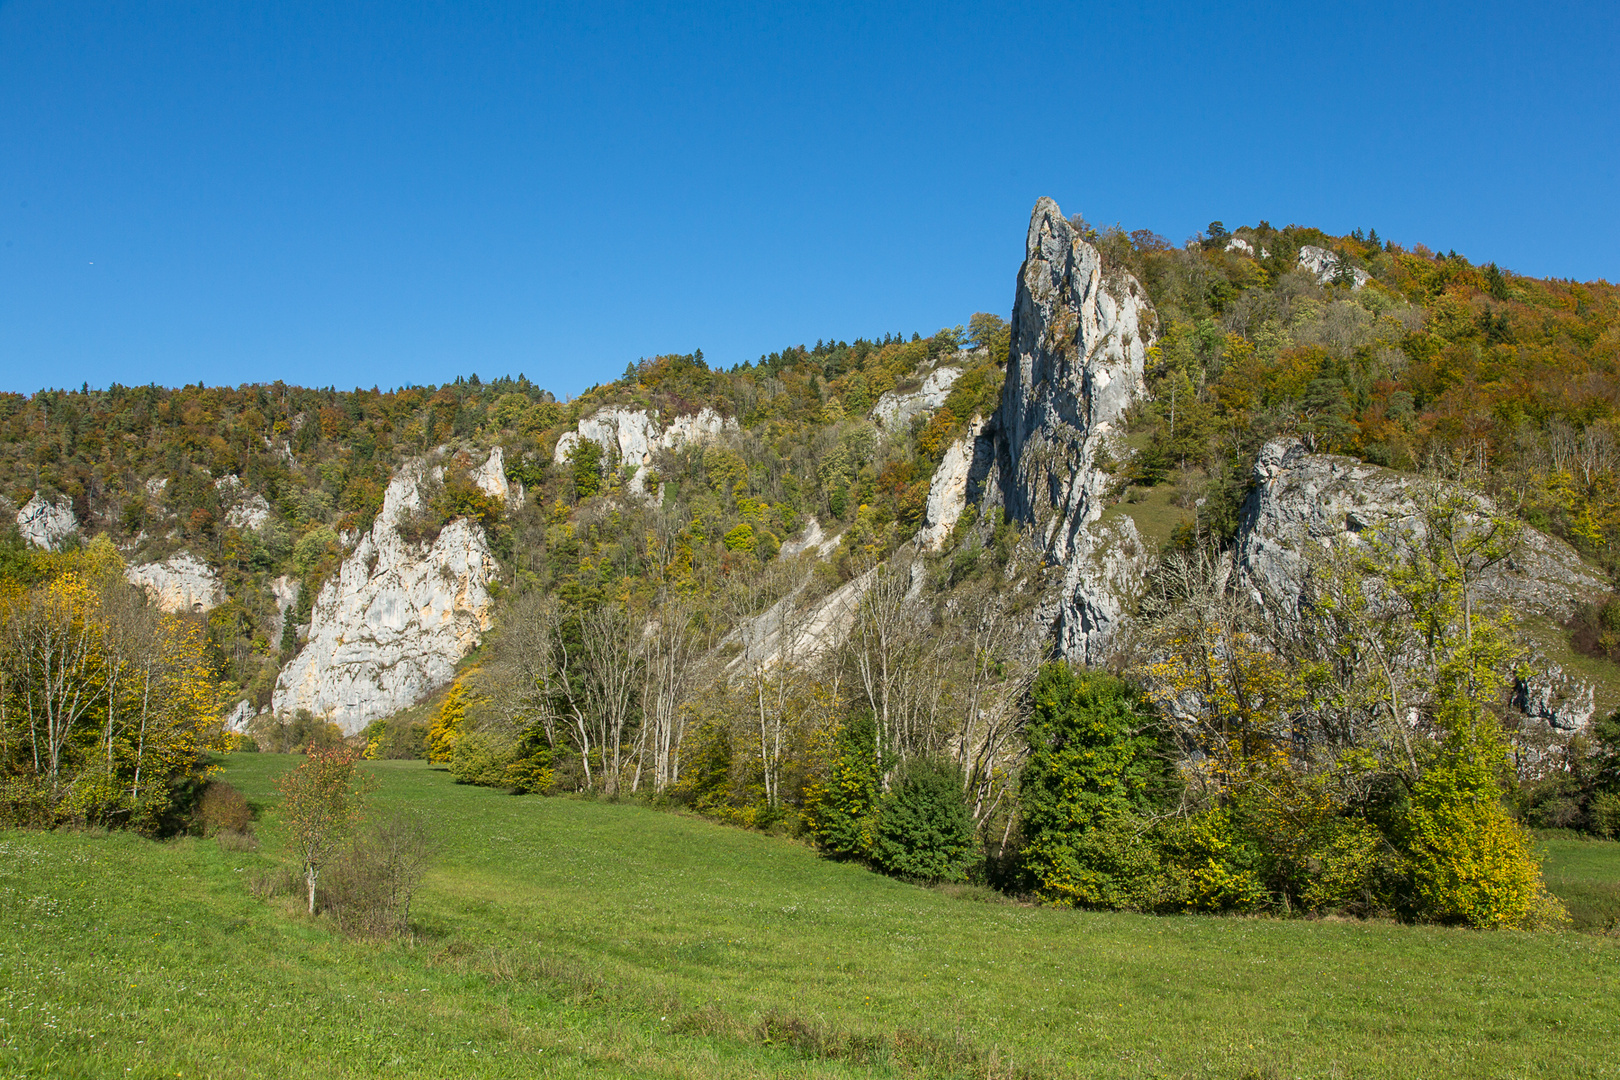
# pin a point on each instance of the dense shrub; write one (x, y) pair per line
(1093, 775)
(1470, 861)
(368, 889)
(484, 758)
(396, 739)
(842, 809)
(924, 828)
(223, 809)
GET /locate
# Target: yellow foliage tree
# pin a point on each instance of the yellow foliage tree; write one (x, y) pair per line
(105, 702)
(446, 728)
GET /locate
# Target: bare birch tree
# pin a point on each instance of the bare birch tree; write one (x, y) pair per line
(611, 671)
(670, 648)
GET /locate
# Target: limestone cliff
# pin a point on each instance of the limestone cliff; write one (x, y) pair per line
(630, 437)
(391, 625)
(1080, 334)
(948, 488)
(1300, 499)
(46, 522)
(1325, 266)
(179, 583)
(896, 409)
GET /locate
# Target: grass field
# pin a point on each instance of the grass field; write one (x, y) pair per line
(560, 937)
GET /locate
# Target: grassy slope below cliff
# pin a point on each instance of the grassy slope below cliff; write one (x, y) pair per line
(569, 938)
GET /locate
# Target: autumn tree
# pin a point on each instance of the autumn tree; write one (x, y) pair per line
(106, 704)
(321, 800)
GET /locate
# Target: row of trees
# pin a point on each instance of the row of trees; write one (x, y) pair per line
(106, 704)
(737, 702)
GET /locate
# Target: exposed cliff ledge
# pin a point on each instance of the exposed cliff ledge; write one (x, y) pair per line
(965, 459)
(1326, 267)
(46, 522)
(1300, 499)
(1080, 334)
(629, 437)
(896, 409)
(181, 582)
(392, 624)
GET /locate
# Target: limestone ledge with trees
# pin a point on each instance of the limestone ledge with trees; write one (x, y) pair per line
(1062, 623)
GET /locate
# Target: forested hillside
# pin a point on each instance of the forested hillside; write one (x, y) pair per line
(827, 609)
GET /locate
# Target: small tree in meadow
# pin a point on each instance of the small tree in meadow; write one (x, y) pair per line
(320, 802)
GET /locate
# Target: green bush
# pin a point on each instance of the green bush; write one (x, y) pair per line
(1604, 814)
(924, 829)
(1094, 766)
(842, 809)
(1471, 862)
(485, 759)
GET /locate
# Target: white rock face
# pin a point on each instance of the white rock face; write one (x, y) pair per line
(894, 410)
(784, 633)
(1549, 694)
(45, 523)
(285, 590)
(810, 538)
(1237, 243)
(390, 627)
(948, 488)
(1080, 334)
(182, 582)
(1300, 499)
(250, 512)
(238, 716)
(632, 436)
(1325, 265)
(491, 480)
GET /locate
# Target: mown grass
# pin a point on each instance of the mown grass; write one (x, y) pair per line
(1585, 873)
(561, 937)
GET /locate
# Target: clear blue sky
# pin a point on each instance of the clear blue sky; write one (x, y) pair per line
(353, 194)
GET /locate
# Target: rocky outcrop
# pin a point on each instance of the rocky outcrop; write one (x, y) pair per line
(47, 522)
(491, 480)
(811, 538)
(1080, 334)
(630, 437)
(895, 410)
(392, 624)
(1302, 499)
(948, 488)
(238, 716)
(1549, 694)
(1325, 265)
(182, 582)
(1303, 502)
(250, 512)
(286, 591)
(789, 633)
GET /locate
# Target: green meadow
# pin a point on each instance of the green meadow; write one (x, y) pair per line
(563, 938)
